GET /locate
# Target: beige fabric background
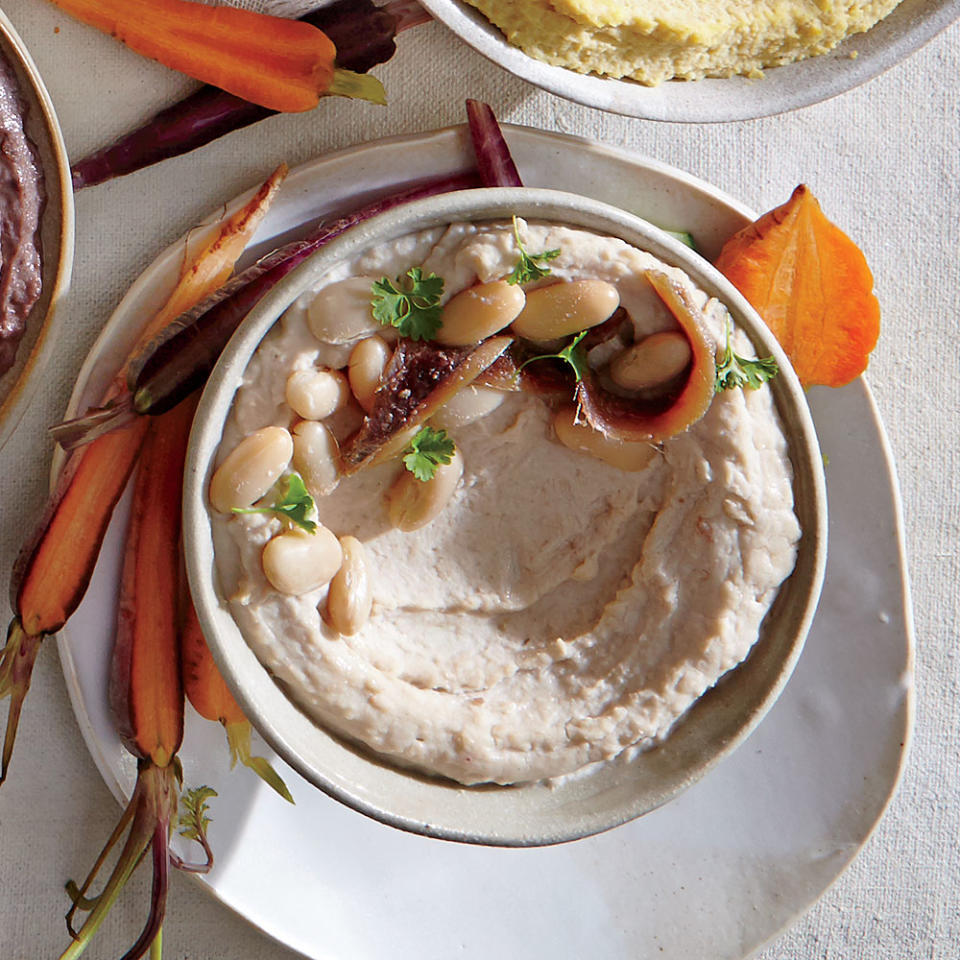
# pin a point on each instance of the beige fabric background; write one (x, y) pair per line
(884, 161)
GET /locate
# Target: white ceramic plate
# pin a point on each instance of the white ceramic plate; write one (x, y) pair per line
(711, 876)
(56, 234)
(858, 59)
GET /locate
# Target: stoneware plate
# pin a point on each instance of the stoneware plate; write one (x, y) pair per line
(56, 234)
(533, 813)
(858, 59)
(712, 875)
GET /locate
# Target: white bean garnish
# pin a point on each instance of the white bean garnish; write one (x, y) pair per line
(368, 360)
(581, 437)
(316, 457)
(350, 596)
(316, 394)
(250, 469)
(564, 308)
(296, 562)
(479, 312)
(652, 361)
(341, 312)
(413, 503)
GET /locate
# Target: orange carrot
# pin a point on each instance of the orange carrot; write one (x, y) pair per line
(280, 64)
(811, 284)
(210, 696)
(145, 692)
(55, 565)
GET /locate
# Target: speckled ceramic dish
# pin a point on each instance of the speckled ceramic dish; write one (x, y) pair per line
(56, 233)
(535, 813)
(856, 60)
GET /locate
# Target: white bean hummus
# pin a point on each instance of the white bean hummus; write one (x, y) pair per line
(558, 610)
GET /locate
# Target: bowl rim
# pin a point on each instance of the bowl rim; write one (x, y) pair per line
(57, 219)
(858, 59)
(457, 812)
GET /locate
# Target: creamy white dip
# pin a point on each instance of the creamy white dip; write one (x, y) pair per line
(559, 611)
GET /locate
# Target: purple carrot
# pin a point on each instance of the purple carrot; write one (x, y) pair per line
(496, 166)
(363, 34)
(180, 359)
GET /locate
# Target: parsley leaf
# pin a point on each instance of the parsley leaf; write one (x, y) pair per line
(527, 269)
(294, 505)
(572, 353)
(412, 305)
(428, 449)
(193, 822)
(736, 371)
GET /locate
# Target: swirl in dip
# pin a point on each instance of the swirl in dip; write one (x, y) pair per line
(556, 609)
(655, 40)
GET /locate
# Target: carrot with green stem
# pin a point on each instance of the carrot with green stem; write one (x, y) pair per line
(210, 696)
(146, 696)
(284, 65)
(54, 567)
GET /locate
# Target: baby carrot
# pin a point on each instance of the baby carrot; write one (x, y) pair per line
(146, 697)
(281, 64)
(210, 696)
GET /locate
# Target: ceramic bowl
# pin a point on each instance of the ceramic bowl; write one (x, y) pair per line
(56, 233)
(533, 813)
(856, 60)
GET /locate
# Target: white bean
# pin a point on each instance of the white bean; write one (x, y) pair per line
(466, 405)
(368, 360)
(413, 503)
(350, 596)
(316, 394)
(581, 437)
(561, 309)
(250, 469)
(296, 562)
(341, 311)
(316, 457)
(479, 312)
(654, 360)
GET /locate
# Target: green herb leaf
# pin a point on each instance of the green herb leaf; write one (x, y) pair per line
(193, 820)
(294, 505)
(572, 353)
(428, 449)
(736, 371)
(683, 236)
(412, 305)
(528, 269)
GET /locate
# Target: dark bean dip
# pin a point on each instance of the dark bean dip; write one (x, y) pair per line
(21, 203)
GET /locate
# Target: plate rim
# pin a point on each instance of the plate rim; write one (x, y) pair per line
(653, 103)
(636, 160)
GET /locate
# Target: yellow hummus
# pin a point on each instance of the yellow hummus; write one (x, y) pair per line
(655, 40)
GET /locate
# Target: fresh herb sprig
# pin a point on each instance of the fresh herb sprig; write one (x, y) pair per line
(572, 354)
(528, 269)
(193, 821)
(411, 304)
(428, 449)
(735, 371)
(295, 504)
